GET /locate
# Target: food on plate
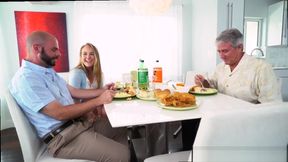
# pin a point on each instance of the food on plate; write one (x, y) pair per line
(123, 90)
(180, 84)
(201, 90)
(198, 89)
(130, 90)
(146, 94)
(118, 85)
(179, 99)
(160, 94)
(122, 95)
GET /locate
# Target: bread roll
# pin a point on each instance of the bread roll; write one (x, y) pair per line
(159, 94)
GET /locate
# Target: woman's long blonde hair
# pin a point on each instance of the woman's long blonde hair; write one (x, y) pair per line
(97, 70)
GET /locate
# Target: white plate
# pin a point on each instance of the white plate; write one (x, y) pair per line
(146, 95)
(210, 91)
(120, 95)
(146, 98)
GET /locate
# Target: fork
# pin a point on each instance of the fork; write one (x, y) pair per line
(202, 86)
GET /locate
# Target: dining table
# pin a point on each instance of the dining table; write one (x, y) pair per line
(123, 113)
(138, 112)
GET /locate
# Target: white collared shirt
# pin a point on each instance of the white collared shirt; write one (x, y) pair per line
(252, 80)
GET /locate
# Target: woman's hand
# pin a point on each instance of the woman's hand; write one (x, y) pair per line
(109, 86)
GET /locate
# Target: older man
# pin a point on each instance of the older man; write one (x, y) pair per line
(240, 75)
(46, 100)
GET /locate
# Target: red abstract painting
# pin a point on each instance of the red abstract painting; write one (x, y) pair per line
(52, 22)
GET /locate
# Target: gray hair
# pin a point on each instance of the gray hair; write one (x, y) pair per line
(234, 36)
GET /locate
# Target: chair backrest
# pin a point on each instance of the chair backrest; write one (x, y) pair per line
(65, 76)
(29, 141)
(259, 134)
(284, 88)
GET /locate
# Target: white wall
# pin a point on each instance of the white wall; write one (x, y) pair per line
(4, 66)
(9, 62)
(204, 32)
(9, 49)
(187, 36)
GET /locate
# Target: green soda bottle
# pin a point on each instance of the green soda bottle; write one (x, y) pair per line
(143, 79)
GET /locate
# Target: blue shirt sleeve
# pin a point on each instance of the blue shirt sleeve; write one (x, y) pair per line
(32, 92)
(77, 78)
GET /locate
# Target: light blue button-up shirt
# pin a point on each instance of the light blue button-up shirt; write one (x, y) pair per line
(34, 87)
(78, 79)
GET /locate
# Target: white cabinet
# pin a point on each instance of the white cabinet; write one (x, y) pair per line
(277, 24)
(230, 15)
(282, 74)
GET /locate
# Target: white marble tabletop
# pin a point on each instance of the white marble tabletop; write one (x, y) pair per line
(139, 112)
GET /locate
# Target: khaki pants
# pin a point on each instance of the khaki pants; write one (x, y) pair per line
(92, 141)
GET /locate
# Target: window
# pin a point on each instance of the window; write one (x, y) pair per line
(253, 34)
(122, 37)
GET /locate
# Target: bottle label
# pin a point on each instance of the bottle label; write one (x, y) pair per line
(134, 76)
(157, 75)
(143, 79)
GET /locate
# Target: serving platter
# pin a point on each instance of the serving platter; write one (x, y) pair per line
(179, 108)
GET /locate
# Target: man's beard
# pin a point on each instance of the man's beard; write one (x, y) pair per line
(50, 61)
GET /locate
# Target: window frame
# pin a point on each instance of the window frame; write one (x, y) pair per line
(259, 21)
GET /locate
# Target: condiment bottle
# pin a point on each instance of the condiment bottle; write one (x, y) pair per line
(143, 79)
(157, 73)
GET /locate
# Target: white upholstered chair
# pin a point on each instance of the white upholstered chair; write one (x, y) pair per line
(64, 75)
(257, 134)
(33, 149)
(189, 82)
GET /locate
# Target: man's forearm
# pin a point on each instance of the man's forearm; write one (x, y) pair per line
(85, 93)
(60, 112)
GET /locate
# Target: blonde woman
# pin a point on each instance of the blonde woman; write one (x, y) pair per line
(88, 75)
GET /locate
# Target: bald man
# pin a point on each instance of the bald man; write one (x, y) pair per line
(47, 101)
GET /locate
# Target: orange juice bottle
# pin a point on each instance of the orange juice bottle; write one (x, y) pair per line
(157, 73)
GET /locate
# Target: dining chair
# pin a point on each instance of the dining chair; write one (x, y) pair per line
(33, 149)
(283, 82)
(189, 81)
(258, 134)
(64, 75)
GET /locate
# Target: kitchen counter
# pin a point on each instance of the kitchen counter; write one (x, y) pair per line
(282, 74)
(280, 68)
